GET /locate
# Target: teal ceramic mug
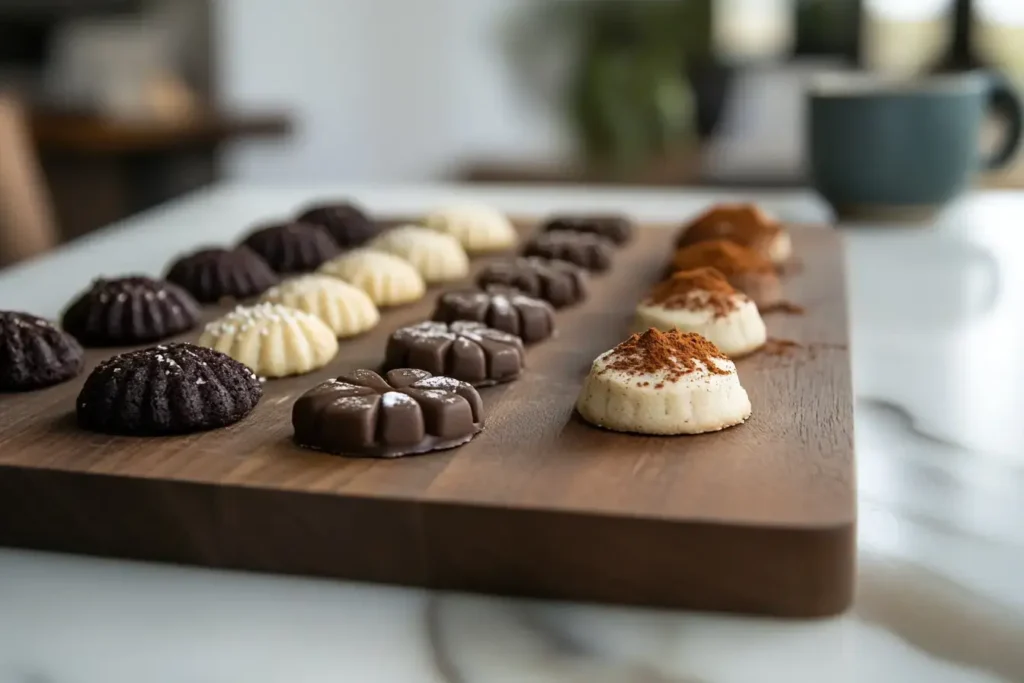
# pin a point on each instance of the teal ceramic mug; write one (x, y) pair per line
(900, 150)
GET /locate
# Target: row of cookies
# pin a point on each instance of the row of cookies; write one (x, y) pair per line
(301, 319)
(676, 374)
(426, 398)
(278, 338)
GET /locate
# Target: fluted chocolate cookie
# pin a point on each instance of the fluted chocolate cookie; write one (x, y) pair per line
(362, 414)
(293, 247)
(168, 389)
(34, 353)
(585, 249)
(213, 274)
(467, 351)
(560, 283)
(130, 310)
(502, 308)
(348, 224)
(618, 229)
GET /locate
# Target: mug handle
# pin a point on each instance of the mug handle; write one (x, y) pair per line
(1005, 101)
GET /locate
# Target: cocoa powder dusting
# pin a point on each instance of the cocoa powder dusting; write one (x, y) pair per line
(726, 257)
(696, 289)
(744, 224)
(779, 347)
(674, 353)
(787, 307)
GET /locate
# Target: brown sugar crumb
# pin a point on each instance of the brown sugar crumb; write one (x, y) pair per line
(787, 307)
(744, 224)
(675, 353)
(726, 257)
(694, 290)
(779, 347)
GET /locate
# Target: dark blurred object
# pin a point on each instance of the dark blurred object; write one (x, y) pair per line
(83, 133)
(121, 100)
(626, 93)
(829, 28)
(24, 43)
(101, 170)
(960, 56)
(23, 8)
(710, 82)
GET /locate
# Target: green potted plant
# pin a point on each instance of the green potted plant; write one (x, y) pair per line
(625, 92)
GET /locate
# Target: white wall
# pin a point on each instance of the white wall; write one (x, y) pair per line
(379, 89)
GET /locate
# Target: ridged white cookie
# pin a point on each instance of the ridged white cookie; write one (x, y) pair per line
(388, 279)
(479, 228)
(737, 333)
(273, 340)
(653, 403)
(345, 308)
(436, 256)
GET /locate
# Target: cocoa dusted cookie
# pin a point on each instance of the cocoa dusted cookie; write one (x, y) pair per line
(213, 274)
(560, 283)
(745, 269)
(362, 414)
(618, 229)
(744, 224)
(664, 383)
(130, 310)
(293, 247)
(168, 389)
(586, 250)
(502, 308)
(34, 353)
(467, 351)
(348, 224)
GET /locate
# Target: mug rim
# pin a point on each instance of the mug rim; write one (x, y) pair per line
(840, 84)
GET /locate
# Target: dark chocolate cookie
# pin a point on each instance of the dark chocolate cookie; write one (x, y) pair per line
(560, 283)
(130, 310)
(585, 249)
(362, 414)
(348, 224)
(467, 351)
(502, 308)
(213, 274)
(293, 247)
(618, 229)
(34, 353)
(168, 389)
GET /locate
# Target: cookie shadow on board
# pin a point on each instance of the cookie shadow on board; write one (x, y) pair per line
(66, 422)
(580, 438)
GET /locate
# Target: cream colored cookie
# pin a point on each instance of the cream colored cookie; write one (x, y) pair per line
(703, 301)
(345, 308)
(478, 228)
(273, 340)
(387, 279)
(663, 383)
(437, 257)
(737, 333)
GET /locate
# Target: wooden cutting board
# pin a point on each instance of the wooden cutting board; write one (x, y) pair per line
(758, 518)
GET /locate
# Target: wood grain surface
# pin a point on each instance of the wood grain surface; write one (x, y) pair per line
(758, 518)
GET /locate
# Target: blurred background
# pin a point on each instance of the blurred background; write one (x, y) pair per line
(108, 107)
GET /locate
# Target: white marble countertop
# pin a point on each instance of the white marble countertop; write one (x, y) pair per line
(939, 375)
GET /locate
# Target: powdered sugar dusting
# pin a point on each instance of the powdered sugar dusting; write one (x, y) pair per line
(391, 399)
(448, 383)
(259, 316)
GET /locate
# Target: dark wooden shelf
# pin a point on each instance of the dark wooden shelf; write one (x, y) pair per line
(88, 134)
